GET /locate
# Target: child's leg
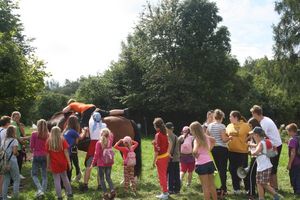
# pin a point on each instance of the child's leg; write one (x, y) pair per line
(171, 176)
(131, 177)
(15, 175)
(162, 166)
(204, 182)
(212, 187)
(66, 182)
(107, 171)
(126, 177)
(176, 177)
(76, 163)
(35, 171)
(44, 174)
(102, 182)
(56, 178)
(261, 191)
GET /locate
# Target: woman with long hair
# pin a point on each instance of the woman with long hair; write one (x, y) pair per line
(204, 164)
(37, 145)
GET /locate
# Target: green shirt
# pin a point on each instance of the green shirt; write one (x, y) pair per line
(18, 133)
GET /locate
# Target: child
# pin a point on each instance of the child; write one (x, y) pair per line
(264, 166)
(161, 155)
(187, 160)
(129, 146)
(37, 145)
(204, 165)
(173, 167)
(105, 142)
(294, 159)
(58, 161)
(10, 145)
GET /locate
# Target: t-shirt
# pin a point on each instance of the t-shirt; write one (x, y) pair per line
(71, 135)
(215, 129)
(161, 143)
(175, 153)
(95, 130)
(271, 131)
(263, 162)
(80, 107)
(2, 134)
(18, 132)
(239, 133)
(58, 160)
(203, 154)
(293, 144)
(37, 145)
(9, 150)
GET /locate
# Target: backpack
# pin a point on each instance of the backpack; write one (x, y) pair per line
(269, 149)
(131, 159)
(108, 156)
(187, 145)
(4, 159)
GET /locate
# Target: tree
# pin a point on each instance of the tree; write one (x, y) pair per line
(22, 73)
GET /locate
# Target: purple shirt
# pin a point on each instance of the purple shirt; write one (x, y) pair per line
(293, 144)
(37, 145)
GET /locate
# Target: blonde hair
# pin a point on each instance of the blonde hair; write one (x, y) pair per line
(42, 129)
(198, 133)
(104, 134)
(55, 139)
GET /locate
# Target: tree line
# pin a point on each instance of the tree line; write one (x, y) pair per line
(177, 64)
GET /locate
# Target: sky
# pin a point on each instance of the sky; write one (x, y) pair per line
(82, 37)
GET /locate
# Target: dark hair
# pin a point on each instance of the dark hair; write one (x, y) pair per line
(292, 127)
(218, 114)
(238, 115)
(11, 131)
(159, 123)
(257, 110)
(253, 122)
(4, 120)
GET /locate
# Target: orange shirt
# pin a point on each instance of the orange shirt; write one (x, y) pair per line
(80, 107)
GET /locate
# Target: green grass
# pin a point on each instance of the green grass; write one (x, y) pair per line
(148, 186)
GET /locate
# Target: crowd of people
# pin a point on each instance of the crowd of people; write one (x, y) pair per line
(201, 148)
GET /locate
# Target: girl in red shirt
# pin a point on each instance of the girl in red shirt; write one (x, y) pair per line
(58, 161)
(161, 155)
(129, 146)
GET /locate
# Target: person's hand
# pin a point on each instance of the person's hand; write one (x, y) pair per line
(153, 165)
(230, 138)
(289, 167)
(70, 165)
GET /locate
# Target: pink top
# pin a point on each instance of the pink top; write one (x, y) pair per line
(37, 145)
(125, 150)
(98, 155)
(203, 154)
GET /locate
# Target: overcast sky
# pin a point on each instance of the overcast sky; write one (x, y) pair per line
(76, 37)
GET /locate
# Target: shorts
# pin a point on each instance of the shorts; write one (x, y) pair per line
(187, 167)
(275, 160)
(264, 177)
(207, 168)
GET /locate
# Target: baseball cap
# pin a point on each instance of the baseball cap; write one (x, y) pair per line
(258, 130)
(169, 125)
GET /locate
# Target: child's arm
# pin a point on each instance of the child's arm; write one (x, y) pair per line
(135, 144)
(32, 143)
(116, 146)
(155, 158)
(258, 150)
(225, 138)
(96, 154)
(66, 151)
(48, 162)
(291, 159)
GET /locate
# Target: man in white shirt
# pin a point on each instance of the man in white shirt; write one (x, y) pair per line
(273, 134)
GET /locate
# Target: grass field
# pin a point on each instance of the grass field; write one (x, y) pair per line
(148, 186)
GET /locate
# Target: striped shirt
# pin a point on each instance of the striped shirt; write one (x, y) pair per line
(215, 129)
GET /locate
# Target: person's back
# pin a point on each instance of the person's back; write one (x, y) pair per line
(271, 130)
(215, 130)
(203, 154)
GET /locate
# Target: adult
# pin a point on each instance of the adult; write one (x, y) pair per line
(217, 130)
(95, 126)
(15, 121)
(272, 133)
(238, 130)
(209, 119)
(86, 110)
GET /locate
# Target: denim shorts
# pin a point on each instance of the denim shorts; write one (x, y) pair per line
(207, 168)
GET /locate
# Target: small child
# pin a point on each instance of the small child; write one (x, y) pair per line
(37, 145)
(58, 161)
(294, 159)
(104, 143)
(129, 146)
(264, 166)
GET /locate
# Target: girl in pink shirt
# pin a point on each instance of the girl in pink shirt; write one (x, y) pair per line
(204, 164)
(38, 147)
(129, 146)
(104, 165)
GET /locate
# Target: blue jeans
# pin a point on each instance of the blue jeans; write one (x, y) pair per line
(105, 171)
(39, 162)
(295, 178)
(13, 174)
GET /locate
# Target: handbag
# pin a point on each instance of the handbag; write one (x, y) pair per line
(217, 179)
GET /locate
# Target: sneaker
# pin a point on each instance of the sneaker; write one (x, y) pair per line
(39, 193)
(83, 188)
(112, 194)
(78, 177)
(70, 196)
(163, 196)
(22, 177)
(188, 184)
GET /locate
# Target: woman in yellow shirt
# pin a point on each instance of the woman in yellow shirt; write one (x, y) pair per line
(237, 146)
